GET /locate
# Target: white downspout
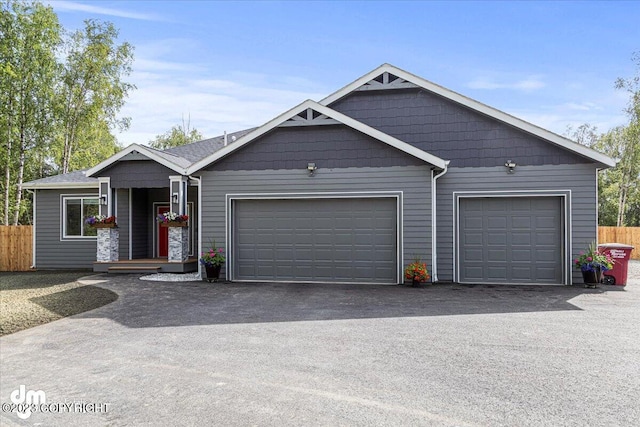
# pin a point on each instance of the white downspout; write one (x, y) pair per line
(199, 180)
(434, 213)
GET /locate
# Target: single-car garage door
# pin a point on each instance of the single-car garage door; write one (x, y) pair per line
(511, 240)
(316, 240)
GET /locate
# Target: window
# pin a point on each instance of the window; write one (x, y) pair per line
(75, 211)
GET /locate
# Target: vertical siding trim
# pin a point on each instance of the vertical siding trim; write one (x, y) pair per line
(398, 195)
(199, 180)
(567, 215)
(130, 226)
(33, 237)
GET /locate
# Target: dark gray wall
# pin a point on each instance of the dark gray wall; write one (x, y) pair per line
(329, 146)
(579, 179)
(414, 181)
(140, 215)
(51, 251)
(450, 131)
(138, 174)
(122, 218)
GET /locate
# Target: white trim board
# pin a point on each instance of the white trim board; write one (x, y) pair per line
(398, 195)
(346, 120)
(474, 105)
(567, 219)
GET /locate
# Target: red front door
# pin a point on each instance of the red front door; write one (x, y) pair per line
(163, 234)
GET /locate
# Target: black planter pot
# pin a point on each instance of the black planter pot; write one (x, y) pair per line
(591, 278)
(213, 272)
(416, 283)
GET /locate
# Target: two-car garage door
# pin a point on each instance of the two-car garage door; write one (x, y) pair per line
(350, 240)
(511, 240)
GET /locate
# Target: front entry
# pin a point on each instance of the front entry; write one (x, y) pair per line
(163, 234)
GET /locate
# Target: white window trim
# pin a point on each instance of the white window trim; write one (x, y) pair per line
(63, 215)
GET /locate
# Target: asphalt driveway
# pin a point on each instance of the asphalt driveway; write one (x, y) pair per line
(264, 354)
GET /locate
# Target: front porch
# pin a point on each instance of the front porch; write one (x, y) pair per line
(148, 265)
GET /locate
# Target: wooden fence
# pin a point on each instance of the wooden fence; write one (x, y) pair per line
(626, 235)
(16, 247)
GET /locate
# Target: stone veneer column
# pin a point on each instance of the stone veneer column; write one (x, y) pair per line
(178, 244)
(108, 240)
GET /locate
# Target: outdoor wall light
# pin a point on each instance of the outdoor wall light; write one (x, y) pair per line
(511, 165)
(174, 198)
(311, 167)
(103, 200)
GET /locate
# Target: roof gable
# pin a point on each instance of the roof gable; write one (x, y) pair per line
(389, 77)
(311, 113)
(133, 152)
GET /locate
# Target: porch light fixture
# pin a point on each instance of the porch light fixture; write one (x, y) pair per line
(311, 167)
(511, 165)
(103, 200)
(175, 198)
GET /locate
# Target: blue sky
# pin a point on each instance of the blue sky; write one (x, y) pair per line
(234, 65)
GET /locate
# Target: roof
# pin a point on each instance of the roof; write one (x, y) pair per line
(474, 105)
(199, 150)
(76, 179)
(189, 158)
(324, 112)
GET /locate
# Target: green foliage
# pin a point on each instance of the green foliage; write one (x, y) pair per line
(60, 95)
(619, 187)
(91, 90)
(176, 136)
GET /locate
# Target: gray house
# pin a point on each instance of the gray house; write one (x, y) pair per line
(346, 190)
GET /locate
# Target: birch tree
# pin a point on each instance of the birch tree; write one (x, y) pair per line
(30, 34)
(92, 89)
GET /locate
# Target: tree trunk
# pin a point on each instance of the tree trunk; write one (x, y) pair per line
(7, 174)
(16, 213)
(622, 202)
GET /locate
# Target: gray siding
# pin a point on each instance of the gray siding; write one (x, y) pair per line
(122, 218)
(328, 146)
(138, 174)
(579, 179)
(450, 131)
(51, 251)
(140, 215)
(413, 181)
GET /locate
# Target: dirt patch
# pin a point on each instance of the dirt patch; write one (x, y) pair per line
(34, 298)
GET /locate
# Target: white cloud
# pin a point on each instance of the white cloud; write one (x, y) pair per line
(529, 84)
(167, 91)
(69, 6)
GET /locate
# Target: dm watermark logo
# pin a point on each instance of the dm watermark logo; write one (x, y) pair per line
(25, 400)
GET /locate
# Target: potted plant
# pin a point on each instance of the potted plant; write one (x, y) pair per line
(101, 221)
(417, 272)
(592, 264)
(172, 219)
(212, 260)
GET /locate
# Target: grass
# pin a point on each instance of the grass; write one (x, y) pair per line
(29, 299)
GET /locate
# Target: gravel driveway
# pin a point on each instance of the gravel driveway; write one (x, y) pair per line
(289, 355)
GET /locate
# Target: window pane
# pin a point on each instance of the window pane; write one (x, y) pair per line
(91, 207)
(74, 217)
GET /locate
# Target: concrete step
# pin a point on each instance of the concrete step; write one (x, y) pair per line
(133, 269)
